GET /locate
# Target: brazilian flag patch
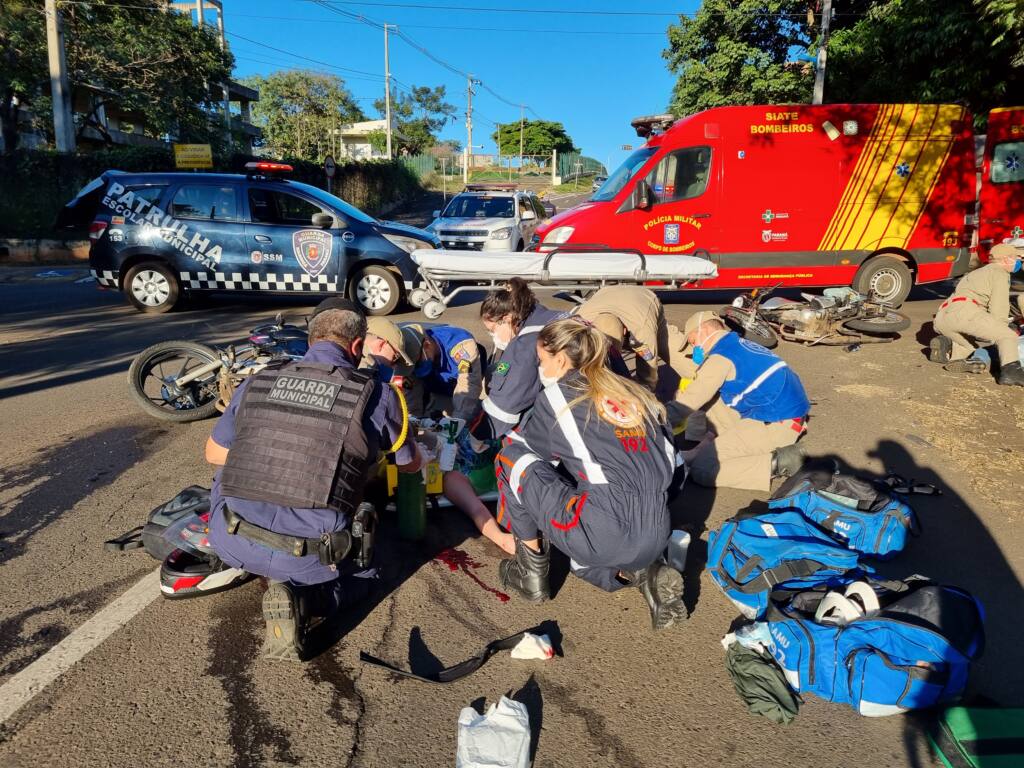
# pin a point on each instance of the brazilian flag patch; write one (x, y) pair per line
(501, 368)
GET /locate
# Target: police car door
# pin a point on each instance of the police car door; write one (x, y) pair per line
(210, 232)
(682, 206)
(286, 252)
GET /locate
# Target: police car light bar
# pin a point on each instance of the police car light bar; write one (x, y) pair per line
(269, 167)
(491, 187)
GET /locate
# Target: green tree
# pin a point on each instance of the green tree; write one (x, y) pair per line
(153, 64)
(418, 116)
(739, 53)
(299, 110)
(1007, 17)
(539, 138)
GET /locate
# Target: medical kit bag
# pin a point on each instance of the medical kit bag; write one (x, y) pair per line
(912, 651)
(865, 515)
(979, 737)
(752, 554)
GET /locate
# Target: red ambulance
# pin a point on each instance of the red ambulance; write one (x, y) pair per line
(877, 196)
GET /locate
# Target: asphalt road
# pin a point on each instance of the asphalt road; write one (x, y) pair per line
(183, 683)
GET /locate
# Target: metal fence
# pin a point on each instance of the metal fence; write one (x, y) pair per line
(572, 165)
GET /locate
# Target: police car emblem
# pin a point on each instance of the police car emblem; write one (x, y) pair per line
(312, 249)
(624, 415)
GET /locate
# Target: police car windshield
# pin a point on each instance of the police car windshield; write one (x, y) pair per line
(623, 174)
(329, 200)
(480, 207)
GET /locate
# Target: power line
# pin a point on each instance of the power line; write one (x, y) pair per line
(299, 56)
(567, 11)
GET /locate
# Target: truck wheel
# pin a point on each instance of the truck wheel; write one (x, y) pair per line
(375, 289)
(151, 287)
(886, 277)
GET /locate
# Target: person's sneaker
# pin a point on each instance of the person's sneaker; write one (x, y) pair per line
(662, 588)
(967, 365)
(940, 349)
(283, 640)
(1011, 373)
(788, 460)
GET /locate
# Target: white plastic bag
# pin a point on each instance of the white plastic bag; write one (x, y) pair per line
(498, 739)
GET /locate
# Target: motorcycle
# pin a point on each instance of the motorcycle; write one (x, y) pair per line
(184, 381)
(839, 317)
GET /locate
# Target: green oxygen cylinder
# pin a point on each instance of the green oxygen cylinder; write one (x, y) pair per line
(411, 504)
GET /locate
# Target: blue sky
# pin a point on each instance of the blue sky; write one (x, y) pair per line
(593, 83)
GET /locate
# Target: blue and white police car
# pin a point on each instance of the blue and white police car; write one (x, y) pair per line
(160, 236)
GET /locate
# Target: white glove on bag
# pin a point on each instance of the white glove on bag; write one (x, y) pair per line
(498, 739)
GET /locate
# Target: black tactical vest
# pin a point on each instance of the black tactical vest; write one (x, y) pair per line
(299, 438)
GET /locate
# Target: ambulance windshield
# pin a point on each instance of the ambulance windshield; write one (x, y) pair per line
(623, 174)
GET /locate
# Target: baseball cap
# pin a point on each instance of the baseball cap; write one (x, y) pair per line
(336, 302)
(697, 319)
(407, 340)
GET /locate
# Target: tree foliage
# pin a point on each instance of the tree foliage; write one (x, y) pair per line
(133, 55)
(539, 138)
(418, 116)
(299, 111)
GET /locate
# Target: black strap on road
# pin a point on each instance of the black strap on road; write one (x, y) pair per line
(456, 672)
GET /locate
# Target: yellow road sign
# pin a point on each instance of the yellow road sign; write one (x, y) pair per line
(193, 156)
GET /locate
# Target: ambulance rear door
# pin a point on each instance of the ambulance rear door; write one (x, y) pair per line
(1001, 203)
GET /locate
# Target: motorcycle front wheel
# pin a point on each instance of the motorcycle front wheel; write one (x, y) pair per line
(886, 322)
(750, 327)
(152, 381)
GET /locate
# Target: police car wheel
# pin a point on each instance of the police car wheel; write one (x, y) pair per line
(151, 287)
(376, 290)
(886, 277)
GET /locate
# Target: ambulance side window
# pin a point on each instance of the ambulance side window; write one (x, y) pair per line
(1008, 162)
(681, 175)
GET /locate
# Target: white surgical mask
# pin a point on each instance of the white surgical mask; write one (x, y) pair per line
(499, 344)
(546, 381)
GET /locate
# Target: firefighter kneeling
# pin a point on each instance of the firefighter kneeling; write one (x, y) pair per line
(297, 444)
(588, 469)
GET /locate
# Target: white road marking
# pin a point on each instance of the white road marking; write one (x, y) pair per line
(30, 682)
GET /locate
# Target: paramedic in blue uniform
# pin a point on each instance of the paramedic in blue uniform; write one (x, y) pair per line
(755, 405)
(513, 317)
(258, 475)
(587, 472)
(443, 371)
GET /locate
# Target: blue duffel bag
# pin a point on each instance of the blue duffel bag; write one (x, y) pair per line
(865, 515)
(913, 651)
(751, 555)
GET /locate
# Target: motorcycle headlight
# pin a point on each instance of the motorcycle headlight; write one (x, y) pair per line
(559, 235)
(501, 234)
(407, 244)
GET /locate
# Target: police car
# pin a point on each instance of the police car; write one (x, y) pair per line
(489, 217)
(160, 236)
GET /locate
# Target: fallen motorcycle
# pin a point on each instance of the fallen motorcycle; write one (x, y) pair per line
(184, 381)
(839, 317)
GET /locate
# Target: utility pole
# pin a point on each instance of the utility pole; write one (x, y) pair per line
(819, 74)
(469, 119)
(60, 90)
(520, 139)
(387, 88)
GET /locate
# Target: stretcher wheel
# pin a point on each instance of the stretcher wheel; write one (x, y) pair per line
(418, 297)
(433, 309)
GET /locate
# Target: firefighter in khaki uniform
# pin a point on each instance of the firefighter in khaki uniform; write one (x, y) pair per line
(980, 308)
(632, 317)
(757, 410)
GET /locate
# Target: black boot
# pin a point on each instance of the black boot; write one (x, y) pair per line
(527, 573)
(662, 588)
(286, 623)
(1011, 373)
(940, 349)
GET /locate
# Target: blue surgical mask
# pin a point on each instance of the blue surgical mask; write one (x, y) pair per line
(423, 368)
(699, 356)
(1016, 265)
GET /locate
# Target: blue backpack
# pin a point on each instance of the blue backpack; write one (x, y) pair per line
(751, 555)
(865, 515)
(914, 652)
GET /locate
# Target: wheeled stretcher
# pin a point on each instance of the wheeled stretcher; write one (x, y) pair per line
(444, 274)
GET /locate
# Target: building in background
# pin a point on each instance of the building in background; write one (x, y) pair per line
(354, 139)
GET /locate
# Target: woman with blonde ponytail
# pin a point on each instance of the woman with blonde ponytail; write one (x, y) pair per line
(587, 472)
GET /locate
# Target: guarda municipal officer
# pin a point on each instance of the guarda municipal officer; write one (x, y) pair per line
(587, 472)
(755, 405)
(295, 448)
(632, 318)
(980, 309)
(513, 318)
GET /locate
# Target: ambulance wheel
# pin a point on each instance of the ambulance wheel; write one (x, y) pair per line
(375, 289)
(886, 278)
(418, 297)
(151, 287)
(433, 309)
